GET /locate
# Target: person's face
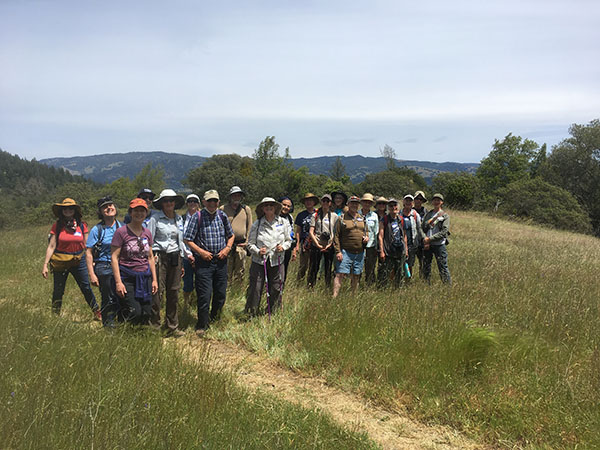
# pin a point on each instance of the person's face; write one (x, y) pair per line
(437, 203)
(109, 210)
(192, 205)
(138, 214)
(236, 198)
(393, 208)
(309, 203)
(353, 207)
(326, 204)
(68, 212)
(269, 209)
(381, 207)
(147, 198)
(366, 205)
(211, 205)
(168, 204)
(408, 203)
(418, 202)
(286, 206)
(339, 200)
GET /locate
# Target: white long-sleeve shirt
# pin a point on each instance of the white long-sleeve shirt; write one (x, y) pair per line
(269, 234)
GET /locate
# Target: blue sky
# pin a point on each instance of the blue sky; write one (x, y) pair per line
(436, 80)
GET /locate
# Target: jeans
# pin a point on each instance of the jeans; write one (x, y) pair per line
(188, 276)
(211, 282)
(274, 280)
(441, 257)
(110, 300)
(80, 273)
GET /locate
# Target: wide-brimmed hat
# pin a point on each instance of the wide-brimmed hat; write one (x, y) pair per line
(392, 200)
(367, 198)
(66, 202)
(408, 196)
(192, 197)
(264, 201)
(334, 193)
(106, 200)
(381, 199)
(138, 202)
(169, 193)
(438, 195)
(236, 190)
(211, 194)
(310, 195)
(147, 191)
(422, 194)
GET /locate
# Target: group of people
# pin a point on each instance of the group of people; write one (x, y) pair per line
(138, 263)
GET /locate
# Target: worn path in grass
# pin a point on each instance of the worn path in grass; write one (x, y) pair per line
(391, 430)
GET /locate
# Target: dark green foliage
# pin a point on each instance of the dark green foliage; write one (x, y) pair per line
(574, 165)
(395, 182)
(460, 189)
(543, 203)
(338, 171)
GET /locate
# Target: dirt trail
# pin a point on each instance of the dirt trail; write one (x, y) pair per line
(388, 429)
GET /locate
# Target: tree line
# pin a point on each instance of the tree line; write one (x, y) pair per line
(518, 178)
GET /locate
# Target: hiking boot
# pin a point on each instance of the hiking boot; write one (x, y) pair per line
(97, 316)
(174, 333)
(200, 332)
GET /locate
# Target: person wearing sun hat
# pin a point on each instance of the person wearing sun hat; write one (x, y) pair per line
(192, 202)
(166, 227)
(436, 226)
(240, 217)
(351, 234)
(420, 200)
(287, 208)
(66, 254)
(411, 225)
(133, 266)
(303, 244)
(340, 199)
(268, 240)
(322, 227)
(210, 237)
(367, 201)
(392, 246)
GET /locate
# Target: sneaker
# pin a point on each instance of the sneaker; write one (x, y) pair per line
(98, 315)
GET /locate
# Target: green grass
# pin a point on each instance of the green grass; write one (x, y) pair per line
(66, 383)
(509, 354)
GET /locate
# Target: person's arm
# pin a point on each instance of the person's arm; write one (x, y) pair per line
(248, 226)
(89, 260)
(189, 234)
(230, 240)
(152, 226)
(337, 240)
(287, 239)
(420, 232)
(153, 271)
(253, 239)
(313, 238)
(443, 233)
(49, 251)
(115, 252)
(380, 238)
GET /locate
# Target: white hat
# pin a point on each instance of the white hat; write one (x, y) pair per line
(259, 207)
(408, 196)
(192, 196)
(169, 193)
(236, 190)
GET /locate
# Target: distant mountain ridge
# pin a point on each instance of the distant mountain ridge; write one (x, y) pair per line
(107, 167)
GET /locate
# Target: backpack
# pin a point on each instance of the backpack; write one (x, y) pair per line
(97, 248)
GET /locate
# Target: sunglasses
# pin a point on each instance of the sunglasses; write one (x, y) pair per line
(168, 200)
(212, 200)
(192, 201)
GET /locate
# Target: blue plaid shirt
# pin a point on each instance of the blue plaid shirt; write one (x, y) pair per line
(212, 233)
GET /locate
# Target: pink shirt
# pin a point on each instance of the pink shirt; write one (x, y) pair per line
(134, 249)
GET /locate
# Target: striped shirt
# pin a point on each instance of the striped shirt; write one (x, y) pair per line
(211, 233)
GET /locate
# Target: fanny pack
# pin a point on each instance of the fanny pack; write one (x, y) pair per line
(63, 261)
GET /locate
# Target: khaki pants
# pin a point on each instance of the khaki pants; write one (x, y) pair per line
(169, 280)
(236, 264)
(303, 260)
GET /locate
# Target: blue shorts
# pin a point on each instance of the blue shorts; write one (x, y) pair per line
(351, 263)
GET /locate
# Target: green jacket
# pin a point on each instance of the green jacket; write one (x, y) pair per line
(436, 227)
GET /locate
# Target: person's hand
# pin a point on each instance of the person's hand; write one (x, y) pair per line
(365, 239)
(426, 241)
(182, 272)
(279, 248)
(191, 259)
(120, 288)
(339, 256)
(206, 255)
(45, 271)
(154, 287)
(223, 253)
(262, 251)
(382, 255)
(94, 280)
(294, 253)
(242, 245)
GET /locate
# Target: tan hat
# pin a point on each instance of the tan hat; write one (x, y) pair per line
(212, 194)
(422, 194)
(312, 196)
(438, 195)
(66, 202)
(266, 201)
(381, 199)
(367, 198)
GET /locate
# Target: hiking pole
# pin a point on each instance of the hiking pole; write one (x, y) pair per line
(267, 288)
(281, 281)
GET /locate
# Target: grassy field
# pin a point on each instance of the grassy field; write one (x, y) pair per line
(510, 354)
(66, 383)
